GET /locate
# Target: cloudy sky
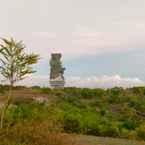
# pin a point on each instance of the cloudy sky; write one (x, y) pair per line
(102, 41)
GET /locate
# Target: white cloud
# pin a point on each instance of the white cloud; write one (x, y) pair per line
(35, 80)
(105, 82)
(89, 82)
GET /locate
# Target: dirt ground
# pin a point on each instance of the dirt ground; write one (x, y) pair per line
(91, 140)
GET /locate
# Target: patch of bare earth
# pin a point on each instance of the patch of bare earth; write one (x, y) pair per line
(91, 140)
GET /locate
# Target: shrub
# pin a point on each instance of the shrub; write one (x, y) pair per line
(31, 111)
(110, 129)
(87, 93)
(85, 111)
(129, 124)
(141, 131)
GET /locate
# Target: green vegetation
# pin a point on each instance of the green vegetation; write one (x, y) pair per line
(15, 65)
(116, 112)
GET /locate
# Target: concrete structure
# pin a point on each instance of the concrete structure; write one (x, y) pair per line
(56, 71)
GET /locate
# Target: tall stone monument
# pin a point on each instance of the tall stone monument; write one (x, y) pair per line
(56, 71)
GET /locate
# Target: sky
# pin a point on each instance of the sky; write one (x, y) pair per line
(102, 42)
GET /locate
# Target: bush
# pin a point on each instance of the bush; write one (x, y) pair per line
(31, 111)
(141, 131)
(98, 112)
(129, 124)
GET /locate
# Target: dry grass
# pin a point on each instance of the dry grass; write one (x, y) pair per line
(41, 133)
(35, 133)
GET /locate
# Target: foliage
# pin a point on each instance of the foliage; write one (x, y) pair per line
(15, 65)
(86, 111)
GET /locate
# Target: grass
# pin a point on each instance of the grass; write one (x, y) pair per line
(33, 133)
(39, 133)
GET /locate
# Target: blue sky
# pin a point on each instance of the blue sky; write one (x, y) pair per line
(126, 67)
(102, 42)
(127, 64)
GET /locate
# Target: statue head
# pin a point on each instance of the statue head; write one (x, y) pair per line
(56, 56)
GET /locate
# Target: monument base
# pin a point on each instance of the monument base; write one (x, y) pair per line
(57, 84)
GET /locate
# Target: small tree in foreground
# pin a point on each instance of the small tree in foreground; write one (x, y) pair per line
(15, 65)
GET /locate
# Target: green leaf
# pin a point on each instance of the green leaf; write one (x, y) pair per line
(15, 63)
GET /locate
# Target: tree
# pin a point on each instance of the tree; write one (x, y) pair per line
(15, 65)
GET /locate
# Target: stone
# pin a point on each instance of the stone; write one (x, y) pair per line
(56, 71)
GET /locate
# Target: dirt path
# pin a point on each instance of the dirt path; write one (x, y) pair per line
(91, 140)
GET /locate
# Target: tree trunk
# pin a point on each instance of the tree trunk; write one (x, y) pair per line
(5, 107)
